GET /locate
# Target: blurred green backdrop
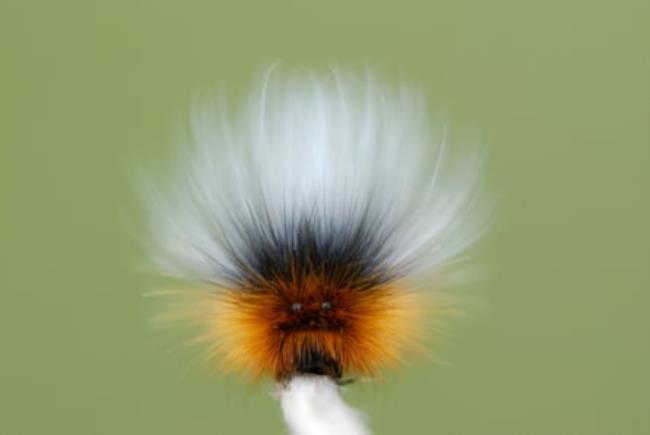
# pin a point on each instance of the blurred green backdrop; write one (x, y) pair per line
(560, 91)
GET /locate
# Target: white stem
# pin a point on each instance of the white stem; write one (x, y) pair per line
(312, 406)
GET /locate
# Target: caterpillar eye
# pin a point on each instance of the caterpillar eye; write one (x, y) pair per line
(296, 307)
(326, 305)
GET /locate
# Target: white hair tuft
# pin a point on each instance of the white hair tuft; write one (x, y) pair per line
(355, 161)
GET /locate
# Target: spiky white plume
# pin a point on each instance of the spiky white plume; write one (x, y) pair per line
(337, 150)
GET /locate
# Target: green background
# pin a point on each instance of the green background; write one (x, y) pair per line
(556, 340)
